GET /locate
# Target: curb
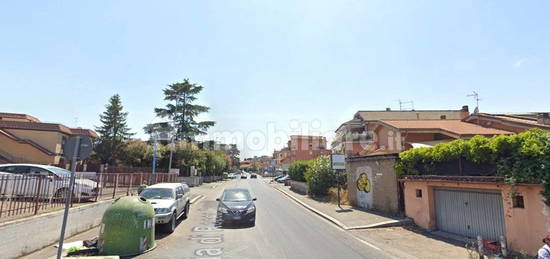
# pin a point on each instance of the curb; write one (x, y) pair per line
(389, 223)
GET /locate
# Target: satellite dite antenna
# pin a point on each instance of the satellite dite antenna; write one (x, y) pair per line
(476, 98)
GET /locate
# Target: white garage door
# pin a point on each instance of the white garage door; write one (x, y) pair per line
(470, 212)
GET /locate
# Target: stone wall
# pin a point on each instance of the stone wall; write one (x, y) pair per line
(372, 182)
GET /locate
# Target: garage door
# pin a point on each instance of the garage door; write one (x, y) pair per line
(470, 212)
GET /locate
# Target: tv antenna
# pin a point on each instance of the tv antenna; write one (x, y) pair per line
(406, 105)
(475, 95)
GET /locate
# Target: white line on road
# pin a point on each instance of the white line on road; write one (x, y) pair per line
(196, 199)
(367, 243)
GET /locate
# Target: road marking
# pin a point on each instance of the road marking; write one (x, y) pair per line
(367, 243)
(196, 199)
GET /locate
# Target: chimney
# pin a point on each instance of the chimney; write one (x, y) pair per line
(543, 118)
(465, 108)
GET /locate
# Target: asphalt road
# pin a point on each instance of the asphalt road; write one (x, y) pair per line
(283, 230)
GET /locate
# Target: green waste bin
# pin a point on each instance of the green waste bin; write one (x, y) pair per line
(127, 227)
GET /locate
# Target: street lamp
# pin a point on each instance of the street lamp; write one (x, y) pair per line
(173, 134)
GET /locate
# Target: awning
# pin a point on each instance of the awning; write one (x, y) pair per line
(427, 143)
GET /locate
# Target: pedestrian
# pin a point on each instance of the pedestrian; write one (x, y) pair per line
(544, 251)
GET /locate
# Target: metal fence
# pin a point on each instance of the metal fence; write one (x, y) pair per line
(22, 195)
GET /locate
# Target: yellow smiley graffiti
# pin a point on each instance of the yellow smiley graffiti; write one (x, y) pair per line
(363, 183)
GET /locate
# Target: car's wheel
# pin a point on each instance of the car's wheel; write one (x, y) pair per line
(170, 226)
(186, 211)
(62, 193)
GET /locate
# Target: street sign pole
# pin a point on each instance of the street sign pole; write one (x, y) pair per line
(338, 163)
(69, 196)
(338, 183)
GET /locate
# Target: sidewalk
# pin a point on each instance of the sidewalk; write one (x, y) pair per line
(348, 218)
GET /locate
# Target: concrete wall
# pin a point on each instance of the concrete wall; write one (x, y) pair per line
(191, 180)
(27, 235)
(524, 227)
(299, 187)
(383, 193)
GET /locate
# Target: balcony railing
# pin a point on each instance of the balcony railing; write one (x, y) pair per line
(364, 136)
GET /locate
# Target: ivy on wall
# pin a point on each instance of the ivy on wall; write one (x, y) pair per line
(519, 158)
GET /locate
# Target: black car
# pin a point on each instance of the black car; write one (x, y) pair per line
(236, 205)
(253, 176)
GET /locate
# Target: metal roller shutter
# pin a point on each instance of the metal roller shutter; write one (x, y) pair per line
(470, 212)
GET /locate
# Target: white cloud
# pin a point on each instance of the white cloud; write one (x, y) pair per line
(519, 63)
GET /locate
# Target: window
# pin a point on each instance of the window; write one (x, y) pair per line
(38, 171)
(418, 193)
(517, 202)
(16, 169)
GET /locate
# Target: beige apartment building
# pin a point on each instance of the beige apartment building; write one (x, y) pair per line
(25, 139)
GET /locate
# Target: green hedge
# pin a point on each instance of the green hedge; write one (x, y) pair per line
(519, 158)
(296, 170)
(319, 176)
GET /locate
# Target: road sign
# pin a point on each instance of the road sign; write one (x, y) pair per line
(82, 149)
(338, 162)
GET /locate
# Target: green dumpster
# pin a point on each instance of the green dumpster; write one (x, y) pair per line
(127, 227)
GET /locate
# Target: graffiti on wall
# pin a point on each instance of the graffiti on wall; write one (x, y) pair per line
(363, 183)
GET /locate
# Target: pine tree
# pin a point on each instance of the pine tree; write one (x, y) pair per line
(183, 112)
(113, 132)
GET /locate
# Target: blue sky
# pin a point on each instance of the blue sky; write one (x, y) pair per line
(285, 65)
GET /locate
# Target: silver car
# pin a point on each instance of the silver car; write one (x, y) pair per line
(30, 180)
(170, 200)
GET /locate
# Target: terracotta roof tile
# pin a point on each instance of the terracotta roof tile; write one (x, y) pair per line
(453, 126)
(45, 127)
(18, 116)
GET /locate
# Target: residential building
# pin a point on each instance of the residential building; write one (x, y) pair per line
(389, 138)
(245, 164)
(355, 137)
(474, 205)
(307, 147)
(24, 139)
(281, 158)
(512, 122)
(300, 147)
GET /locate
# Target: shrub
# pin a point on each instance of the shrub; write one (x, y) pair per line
(520, 158)
(319, 176)
(296, 170)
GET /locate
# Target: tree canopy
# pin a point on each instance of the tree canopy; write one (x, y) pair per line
(182, 110)
(113, 132)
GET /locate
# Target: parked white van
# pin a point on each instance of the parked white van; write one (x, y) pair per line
(170, 200)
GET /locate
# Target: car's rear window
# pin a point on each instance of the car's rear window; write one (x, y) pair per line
(157, 193)
(236, 195)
